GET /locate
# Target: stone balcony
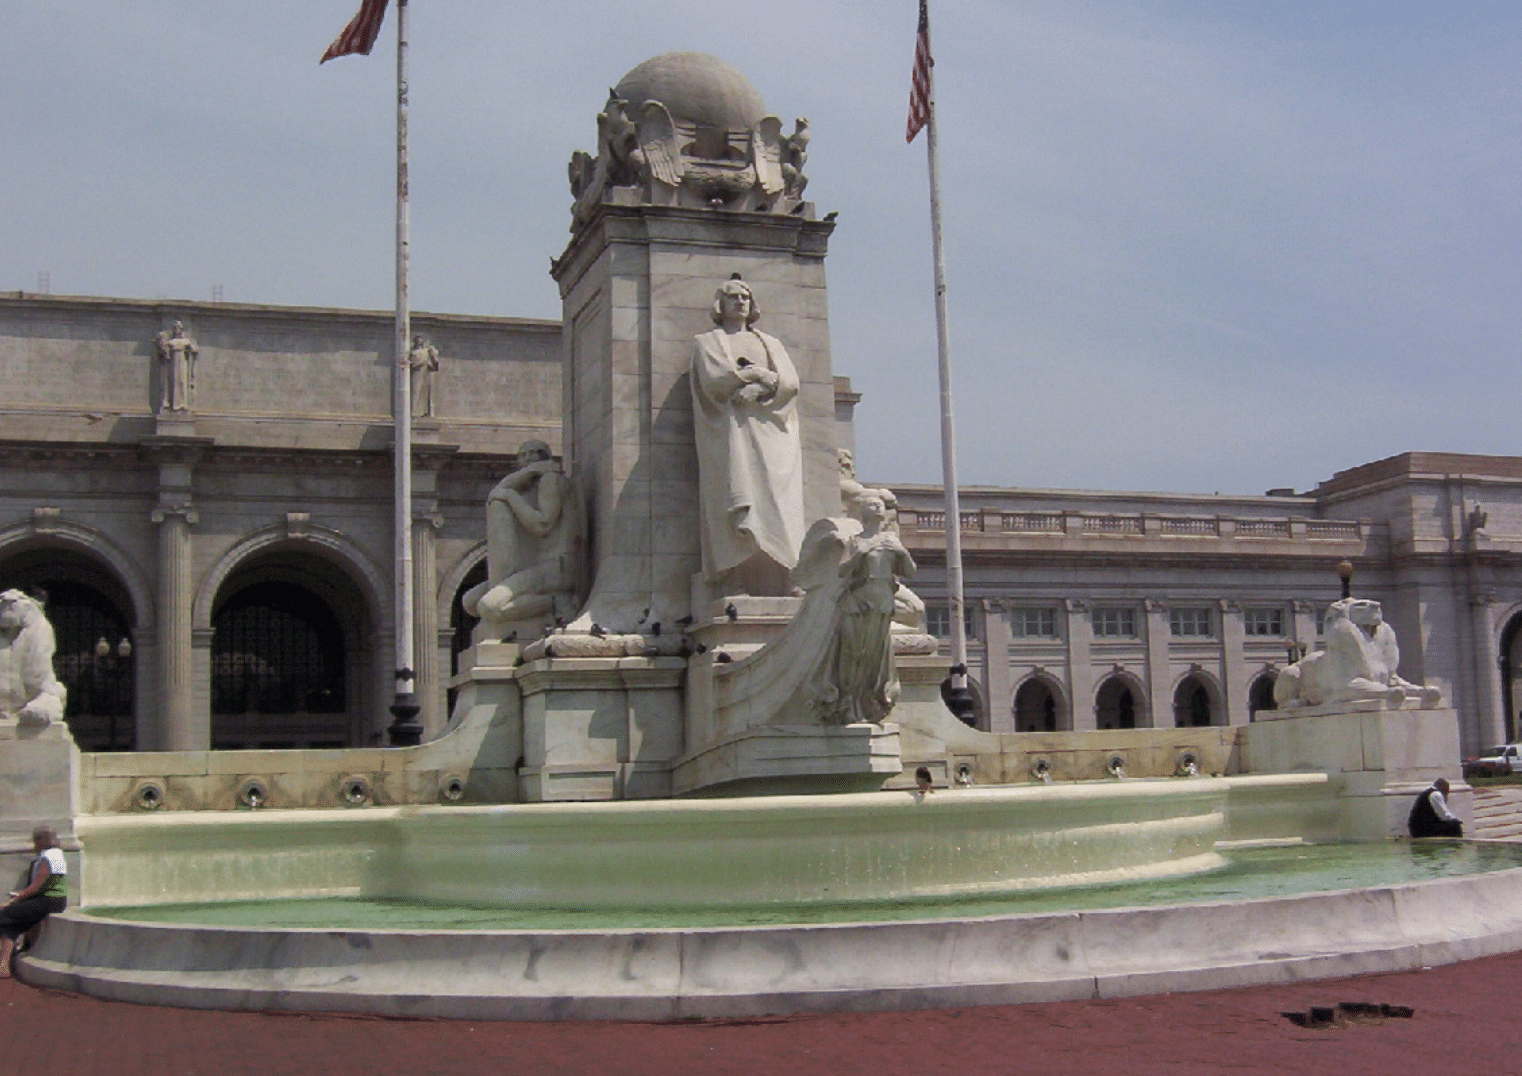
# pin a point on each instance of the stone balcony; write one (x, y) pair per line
(990, 529)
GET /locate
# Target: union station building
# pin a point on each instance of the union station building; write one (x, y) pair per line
(221, 576)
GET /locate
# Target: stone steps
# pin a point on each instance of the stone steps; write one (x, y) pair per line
(1498, 813)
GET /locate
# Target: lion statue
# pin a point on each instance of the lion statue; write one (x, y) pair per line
(1359, 663)
(29, 692)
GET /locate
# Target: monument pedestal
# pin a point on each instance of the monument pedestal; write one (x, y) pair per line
(769, 760)
(39, 786)
(600, 728)
(1381, 758)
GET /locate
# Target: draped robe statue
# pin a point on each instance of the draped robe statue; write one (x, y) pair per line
(750, 454)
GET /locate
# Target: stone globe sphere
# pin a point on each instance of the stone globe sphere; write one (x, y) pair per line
(695, 87)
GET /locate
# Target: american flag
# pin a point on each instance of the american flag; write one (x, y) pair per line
(919, 89)
(359, 36)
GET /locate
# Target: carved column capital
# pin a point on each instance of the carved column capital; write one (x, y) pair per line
(1155, 605)
(1077, 605)
(181, 511)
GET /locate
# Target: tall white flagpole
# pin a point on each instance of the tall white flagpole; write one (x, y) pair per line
(961, 702)
(405, 729)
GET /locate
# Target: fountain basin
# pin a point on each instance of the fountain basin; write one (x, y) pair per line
(782, 850)
(656, 974)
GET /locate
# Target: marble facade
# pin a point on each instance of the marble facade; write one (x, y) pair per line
(1083, 593)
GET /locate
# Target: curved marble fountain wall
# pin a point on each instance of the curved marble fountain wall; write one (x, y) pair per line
(668, 854)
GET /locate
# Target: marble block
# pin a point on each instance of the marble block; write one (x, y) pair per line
(1381, 758)
(793, 760)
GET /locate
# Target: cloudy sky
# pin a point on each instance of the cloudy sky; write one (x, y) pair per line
(1194, 245)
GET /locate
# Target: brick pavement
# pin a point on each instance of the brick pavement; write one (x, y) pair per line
(1465, 1021)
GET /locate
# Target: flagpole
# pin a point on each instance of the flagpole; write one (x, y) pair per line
(405, 729)
(960, 701)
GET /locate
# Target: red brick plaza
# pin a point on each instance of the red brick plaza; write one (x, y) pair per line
(1465, 1021)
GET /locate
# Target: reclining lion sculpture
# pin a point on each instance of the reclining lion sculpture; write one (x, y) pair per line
(1359, 663)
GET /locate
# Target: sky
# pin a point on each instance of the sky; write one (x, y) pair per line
(1192, 245)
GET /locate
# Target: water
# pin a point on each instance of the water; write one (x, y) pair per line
(1249, 874)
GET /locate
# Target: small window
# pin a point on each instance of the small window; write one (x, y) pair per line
(1115, 622)
(1321, 612)
(938, 620)
(1190, 623)
(1263, 622)
(1033, 622)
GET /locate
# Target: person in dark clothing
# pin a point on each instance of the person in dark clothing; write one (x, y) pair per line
(1430, 816)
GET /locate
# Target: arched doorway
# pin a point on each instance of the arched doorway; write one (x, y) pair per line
(978, 719)
(289, 667)
(1118, 705)
(95, 660)
(461, 625)
(1039, 707)
(1511, 676)
(1193, 704)
(1260, 696)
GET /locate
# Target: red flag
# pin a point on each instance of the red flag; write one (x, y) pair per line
(919, 88)
(359, 36)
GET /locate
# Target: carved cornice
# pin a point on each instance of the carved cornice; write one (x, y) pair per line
(185, 451)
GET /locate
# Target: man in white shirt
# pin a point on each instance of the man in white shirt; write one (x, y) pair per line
(1430, 816)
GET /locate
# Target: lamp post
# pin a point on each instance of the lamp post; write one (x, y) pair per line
(1345, 573)
(113, 660)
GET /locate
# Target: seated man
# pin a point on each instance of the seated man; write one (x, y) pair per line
(1430, 816)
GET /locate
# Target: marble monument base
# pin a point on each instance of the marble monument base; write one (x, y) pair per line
(1381, 759)
(769, 760)
(600, 728)
(39, 786)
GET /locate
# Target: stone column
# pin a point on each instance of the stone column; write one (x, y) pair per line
(997, 679)
(182, 726)
(1490, 721)
(1159, 670)
(180, 731)
(429, 458)
(1234, 671)
(1080, 637)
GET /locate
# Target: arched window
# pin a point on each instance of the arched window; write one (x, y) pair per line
(1260, 696)
(1037, 708)
(95, 656)
(1115, 706)
(277, 650)
(1191, 704)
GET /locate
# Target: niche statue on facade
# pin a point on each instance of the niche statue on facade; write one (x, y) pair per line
(1358, 664)
(532, 527)
(423, 361)
(750, 453)
(29, 692)
(177, 368)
